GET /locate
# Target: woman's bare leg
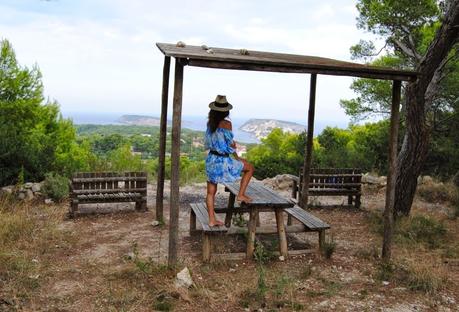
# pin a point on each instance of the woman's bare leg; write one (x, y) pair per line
(210, 201)
(247, 173)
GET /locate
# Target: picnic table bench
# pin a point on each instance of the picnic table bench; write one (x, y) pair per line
(108, 187)
(263, 200)
(331, 182)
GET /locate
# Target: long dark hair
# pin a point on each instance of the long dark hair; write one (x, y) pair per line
(214, 119)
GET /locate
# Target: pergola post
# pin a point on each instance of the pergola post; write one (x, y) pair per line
(175, 163)
(162, 140)
(392, 174)
(309, 142)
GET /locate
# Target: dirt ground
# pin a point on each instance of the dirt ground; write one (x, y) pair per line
(116, 262)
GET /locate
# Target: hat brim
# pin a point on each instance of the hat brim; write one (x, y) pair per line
(220, 109)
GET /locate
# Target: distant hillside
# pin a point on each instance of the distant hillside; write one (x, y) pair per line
(139, 120)
(262, 127)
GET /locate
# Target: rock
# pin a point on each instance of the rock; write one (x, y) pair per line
(49, 201)
(36, 187)
(281, 258)
(21, 196)
(29, 194)
(370, 179)
(7, 189)
(385, 283)
(155, 223)
(183, 279)
(28, 185)
(427, 180)
(448, 300)
(181, 44)
(129, 256)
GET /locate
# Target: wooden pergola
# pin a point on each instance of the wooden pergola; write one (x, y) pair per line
(220, 58)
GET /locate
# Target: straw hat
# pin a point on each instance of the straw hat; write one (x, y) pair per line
(220, 104)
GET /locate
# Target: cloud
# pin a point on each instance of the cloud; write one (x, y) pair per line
(100, 55)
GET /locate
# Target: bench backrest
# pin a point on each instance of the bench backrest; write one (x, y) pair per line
(337, 178)
(109, 182)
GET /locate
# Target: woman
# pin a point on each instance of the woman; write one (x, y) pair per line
(220, 167)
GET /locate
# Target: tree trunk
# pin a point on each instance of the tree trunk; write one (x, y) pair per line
(416, 140)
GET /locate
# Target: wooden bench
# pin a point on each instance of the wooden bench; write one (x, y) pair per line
(199, 211)
(332, 182)
(311, 223)
(108, 187)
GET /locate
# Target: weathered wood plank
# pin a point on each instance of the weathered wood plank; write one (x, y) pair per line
(251, 233)
(279, 62)
(202, 215)
(174, 206)
(303, 201)
(95, 191)
(309, 220)
(162, 140)
(281, 232)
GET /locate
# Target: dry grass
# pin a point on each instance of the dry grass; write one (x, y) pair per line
(29, 232)
(73, 272)
(439, 192)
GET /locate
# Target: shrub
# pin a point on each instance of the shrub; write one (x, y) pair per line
(328, 248)
(56, 186)
(413, 229)
(422, 229)
(437, 192)
(422, 277)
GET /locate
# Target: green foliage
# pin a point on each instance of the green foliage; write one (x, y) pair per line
(422, 229)
(35, 139)
(328, 248)
(278, 153)
(413, 230)
(261, 254)
(362, 146)
(408, 28)
(56, 186)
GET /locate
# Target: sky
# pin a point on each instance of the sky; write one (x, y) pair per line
(100, 55)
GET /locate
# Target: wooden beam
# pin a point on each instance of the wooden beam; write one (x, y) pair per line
(175, 163)
(303, 201)
(392, 174)
(299, 70)
(162, 140)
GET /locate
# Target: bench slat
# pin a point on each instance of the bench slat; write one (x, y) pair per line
(107, 191)
(202, 215)
(309, 220)
(106, 179)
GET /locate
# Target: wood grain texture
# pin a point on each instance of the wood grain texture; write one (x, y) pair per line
(175, 164)
(104, 187)
(303, 200)
(162, 140)
(260, 194)
(279, 62)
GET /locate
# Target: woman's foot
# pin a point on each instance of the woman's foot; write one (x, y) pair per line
(215, 223)
(244, 199)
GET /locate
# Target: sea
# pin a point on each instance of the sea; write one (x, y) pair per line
(190, 122)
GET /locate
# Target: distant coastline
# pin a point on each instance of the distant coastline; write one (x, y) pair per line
(197, 123)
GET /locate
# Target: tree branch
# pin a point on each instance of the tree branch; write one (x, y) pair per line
(408, 51)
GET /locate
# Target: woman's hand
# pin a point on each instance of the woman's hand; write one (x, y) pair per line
(233, 144)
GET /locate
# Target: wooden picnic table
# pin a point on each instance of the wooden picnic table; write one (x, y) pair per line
(263, 199)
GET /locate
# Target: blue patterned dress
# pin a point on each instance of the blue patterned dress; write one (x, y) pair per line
(220, 168)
